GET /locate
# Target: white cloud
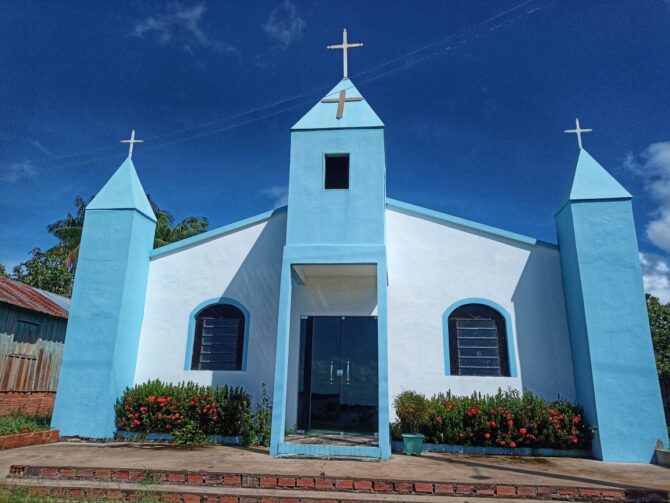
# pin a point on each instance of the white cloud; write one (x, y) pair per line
(180, 26)
(284, 24)
(17, 171)
(278, 194)
(656, 276)
(653, 166)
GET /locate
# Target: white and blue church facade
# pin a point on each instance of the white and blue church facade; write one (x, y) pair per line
(346, 297)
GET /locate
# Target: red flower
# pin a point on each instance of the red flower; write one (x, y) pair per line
(576, 419)
(522, 431)
(167, 426)
(575, 440)
(487, 435)
(136, 422)
(503, 443)
(151, 399)
(510, 422)
(143, 409)
(512, 445)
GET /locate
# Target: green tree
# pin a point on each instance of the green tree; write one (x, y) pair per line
(167, 232)
(3, 271)
(46, 270)
(54, 269)
(68, 232)
(659, 322)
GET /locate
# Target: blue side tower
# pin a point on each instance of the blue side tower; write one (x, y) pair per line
(615, 371)
(107, 307)
(343, 223)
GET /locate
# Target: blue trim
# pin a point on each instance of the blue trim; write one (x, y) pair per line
(436, 216)
(511, 341)
(281, 359)
(191, 331)
(497, 451)
(329, 255)
(132, 436)
(328, 450)
(214, 233)
(382, 359)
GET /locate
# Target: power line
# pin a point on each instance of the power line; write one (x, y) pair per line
(432, 49)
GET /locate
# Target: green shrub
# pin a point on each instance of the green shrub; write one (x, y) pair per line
(262, 419)
(166, 408)
(507, 419)
(189, 434)
(413, 411)
(23, 423)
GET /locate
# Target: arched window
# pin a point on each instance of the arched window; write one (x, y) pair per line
(478, 341)
(218, 343)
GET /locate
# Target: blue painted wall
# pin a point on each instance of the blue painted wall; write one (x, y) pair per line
(334, 226)
(615, 371)
(107, 308)
(336, 216)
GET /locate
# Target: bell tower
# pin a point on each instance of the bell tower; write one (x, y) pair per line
(335, 223)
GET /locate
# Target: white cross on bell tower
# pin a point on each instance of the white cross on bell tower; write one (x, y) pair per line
(345, 46)
(132, 142)
(578, 131)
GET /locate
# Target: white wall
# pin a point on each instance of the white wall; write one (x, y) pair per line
(433, 265)
(324, 296)
(244, 265)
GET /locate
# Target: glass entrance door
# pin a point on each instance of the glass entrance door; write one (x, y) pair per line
(338, 374)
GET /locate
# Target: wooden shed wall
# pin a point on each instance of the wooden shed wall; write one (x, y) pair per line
(31, 349)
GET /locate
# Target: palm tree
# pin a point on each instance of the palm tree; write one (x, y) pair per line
(68, 230)
(167, 233)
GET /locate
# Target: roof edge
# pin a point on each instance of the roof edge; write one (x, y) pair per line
(214, 233)
(412, 209)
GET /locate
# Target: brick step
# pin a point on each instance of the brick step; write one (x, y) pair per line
(99, 490)
(349, 485)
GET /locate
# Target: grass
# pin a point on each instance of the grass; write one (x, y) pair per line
(21, 495)
(22, 423)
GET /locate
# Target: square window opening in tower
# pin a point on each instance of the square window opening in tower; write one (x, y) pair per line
(337, 171)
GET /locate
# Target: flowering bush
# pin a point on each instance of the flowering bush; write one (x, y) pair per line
(165, 408)
(507, 419)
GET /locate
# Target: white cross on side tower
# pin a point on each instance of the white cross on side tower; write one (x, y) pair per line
(132, 142)
(578, 131)
(344, 46)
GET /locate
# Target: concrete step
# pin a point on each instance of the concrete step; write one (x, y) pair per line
(333, 488)
(101, 490)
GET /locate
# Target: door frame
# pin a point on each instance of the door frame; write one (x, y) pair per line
(304, 399)
(318, 255)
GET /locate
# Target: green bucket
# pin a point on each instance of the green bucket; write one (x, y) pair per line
(412, 443)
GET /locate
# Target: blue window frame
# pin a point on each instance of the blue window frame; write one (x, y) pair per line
(218, 336)
(478, 340)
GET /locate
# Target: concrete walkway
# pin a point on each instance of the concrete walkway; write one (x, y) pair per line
(429, 467)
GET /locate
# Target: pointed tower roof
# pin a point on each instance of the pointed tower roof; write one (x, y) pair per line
(356, 112)
(592, 181)
(123, 191)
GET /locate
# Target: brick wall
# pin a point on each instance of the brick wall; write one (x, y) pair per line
(36, 403)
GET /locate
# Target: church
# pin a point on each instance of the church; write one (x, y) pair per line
(346, 297)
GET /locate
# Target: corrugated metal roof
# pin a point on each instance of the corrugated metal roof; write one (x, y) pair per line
(27, 297)
(63, 302)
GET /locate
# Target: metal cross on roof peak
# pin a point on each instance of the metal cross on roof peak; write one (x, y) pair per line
(578, 131)
(341, 100)
(132, 141)
(344, 46)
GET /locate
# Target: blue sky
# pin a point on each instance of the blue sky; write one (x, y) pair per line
(474, 94)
